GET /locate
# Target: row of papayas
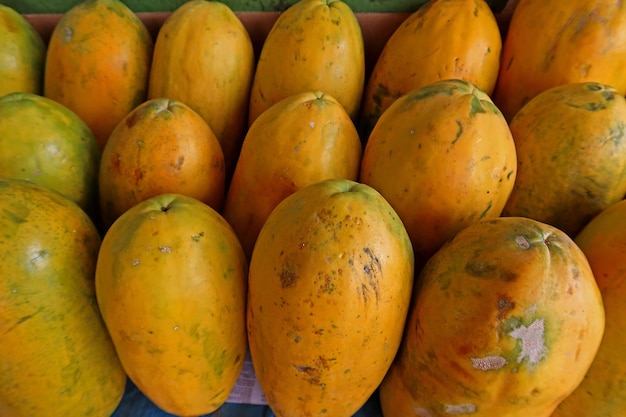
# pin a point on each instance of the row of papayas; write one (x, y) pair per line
(326, 221)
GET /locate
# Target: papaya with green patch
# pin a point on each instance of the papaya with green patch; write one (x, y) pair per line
(443, 156)
(22, 54)
(45, 142)
(330, 282)
(56, 356)
(571, 151)
(171, 286)
(506, 320)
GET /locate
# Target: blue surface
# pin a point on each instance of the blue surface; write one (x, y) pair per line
(135, 404)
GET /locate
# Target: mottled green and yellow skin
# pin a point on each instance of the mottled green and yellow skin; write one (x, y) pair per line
(313, 45)
(22, 54)
(44, 142)
(602, 393)
(56, 357)
(204, 57)
(570, 142)
(506, 320)
(330, 282)
(443, 156)
(171, 285)
(98, 63)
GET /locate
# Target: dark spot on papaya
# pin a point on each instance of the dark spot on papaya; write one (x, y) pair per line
(132, 119)
(287, 278)
(505, 305)
(138, 176)
(115, 163)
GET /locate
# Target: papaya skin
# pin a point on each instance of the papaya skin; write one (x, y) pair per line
(571, 155)
(98, 63)
(316, 45)
(602, 392)
(329, 284)
(550, 44)
(161, 146)
(204, 57)
(22, 54)
(171, 285)
(424, 49)
(56, 356)
(443, 156)
(304, 138)
(506, 320)
(44, 142)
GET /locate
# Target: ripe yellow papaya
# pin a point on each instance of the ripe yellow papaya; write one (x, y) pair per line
(560, 42)
(161, 146)
(443, 39)
(313, 45)
(305, 138)
(506, 321)
(204, 57)
(443, 156)
(171, 286)
(98, 63)
(330, 283)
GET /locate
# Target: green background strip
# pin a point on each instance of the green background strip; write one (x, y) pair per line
(392, 6)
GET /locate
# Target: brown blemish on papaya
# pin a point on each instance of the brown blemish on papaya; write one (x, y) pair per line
(313, 374)
(115, 163)
(505, 305)
(287, 278)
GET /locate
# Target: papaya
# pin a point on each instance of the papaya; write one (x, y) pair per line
(603, 390)
(56, 356)
(171, 286)
(442, 39)
(161, 146)
(506, 320)
(330, 283)
(98, 63)
(44, 142)
(443, 156)
(204, 57)
(313, 45)
(571, 155)
(304, 138)
(22, 54)
(560, 42)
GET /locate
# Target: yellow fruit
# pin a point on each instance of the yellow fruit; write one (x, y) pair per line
(56, 357)
(204, 57)
(443, 156)
(171, 285)
(97, 63)
(304, 138)
(506, 321)
(22, 54)
(571, 155)
(313, 45)
(330, 282)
